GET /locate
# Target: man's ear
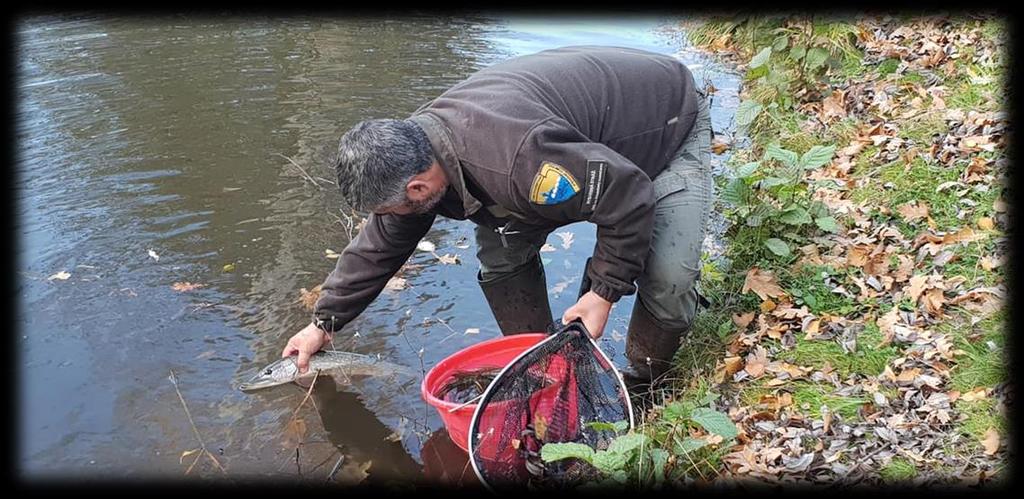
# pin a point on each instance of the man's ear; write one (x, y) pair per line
(417, 189)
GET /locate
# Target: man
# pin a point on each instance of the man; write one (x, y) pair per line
(615, 136)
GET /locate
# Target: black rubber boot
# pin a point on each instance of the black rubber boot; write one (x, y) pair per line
(519, 301)
(650, 347)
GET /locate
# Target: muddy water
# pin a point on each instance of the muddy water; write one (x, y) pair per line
(149, 154)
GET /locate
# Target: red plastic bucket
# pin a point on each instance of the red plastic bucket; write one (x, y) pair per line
(497, 352)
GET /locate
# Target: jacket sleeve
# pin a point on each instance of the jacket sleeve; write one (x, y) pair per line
(621, 200)
(366, 265)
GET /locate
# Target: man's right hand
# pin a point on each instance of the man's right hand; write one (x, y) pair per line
(306, 343)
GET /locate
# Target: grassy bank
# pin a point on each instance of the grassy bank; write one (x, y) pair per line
(857, 333)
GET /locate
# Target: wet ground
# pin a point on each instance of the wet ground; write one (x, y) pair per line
(149, 154)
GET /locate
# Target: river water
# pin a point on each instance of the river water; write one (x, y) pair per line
(149, 153)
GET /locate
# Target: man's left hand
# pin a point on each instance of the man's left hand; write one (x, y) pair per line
(593, 310)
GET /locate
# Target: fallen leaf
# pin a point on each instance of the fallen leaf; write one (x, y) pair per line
(762, 283)
(449, 259)
(988, 263)
(975, 394)
(914, 211)
(991, 441)
(886, 324)
(426, 246)
(719, 146)
(756, 362)
(186, 286)
(186, 454)
(396, 284)
(986, 223)
(62, 275)
(733, 365)
(566, 239)
(916, 287)
(294, 433)
(229, 267)
(154, 255)
(812, 329)
(767, 306)
(933, 301)
(742, 320)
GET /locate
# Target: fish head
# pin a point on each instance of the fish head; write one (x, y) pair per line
(281, 372)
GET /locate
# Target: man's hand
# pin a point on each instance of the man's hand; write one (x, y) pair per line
(593, 310)
(306, 343)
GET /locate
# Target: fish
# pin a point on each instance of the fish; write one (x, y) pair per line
(329, 362)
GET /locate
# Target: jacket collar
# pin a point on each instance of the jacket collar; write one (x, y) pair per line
(444, 151)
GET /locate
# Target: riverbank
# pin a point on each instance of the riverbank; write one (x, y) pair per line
(857, 331)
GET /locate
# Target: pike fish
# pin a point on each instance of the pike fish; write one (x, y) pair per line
(328, 362)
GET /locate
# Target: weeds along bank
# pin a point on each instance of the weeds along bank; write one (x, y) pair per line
(857, 332)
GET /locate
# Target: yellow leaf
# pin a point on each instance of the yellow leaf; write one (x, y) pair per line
(975, 394)
(986, 223)
(186, 454)
(229, 267)
(767, 306)
(308, 298)
(540, 426)
(812, 329)
(991, 441)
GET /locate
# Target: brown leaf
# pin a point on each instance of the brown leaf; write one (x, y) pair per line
(762, 283)
(756, 361)
(742, 320)
(886, 324)
(294, 433)
(719, 145)
(914, 211)
(185, 286)
(916, 287)
(767, 306)
(986, 223)
(991, 441)
(933, 301)
(733, 365)
(963, 235)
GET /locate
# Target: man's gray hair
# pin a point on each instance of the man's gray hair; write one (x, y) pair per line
(377, 158)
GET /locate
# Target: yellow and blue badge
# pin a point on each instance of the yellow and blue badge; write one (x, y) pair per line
(552, 185)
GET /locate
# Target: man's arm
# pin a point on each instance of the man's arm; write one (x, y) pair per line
(366, 264)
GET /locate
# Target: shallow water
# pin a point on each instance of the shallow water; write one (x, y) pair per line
(164, 134)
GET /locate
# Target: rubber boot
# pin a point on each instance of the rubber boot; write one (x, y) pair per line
(519, 301)
(650, 347)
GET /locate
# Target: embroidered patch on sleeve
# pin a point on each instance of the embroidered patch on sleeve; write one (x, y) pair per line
(552, 185)
(594, 185)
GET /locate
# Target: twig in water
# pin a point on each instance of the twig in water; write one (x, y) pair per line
(202, 444)
(464, 404)
(292, 161)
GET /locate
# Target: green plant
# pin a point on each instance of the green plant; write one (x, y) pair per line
(777, 200)
(641, 459)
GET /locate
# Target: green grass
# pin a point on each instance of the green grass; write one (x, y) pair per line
(807, 287)
(898, 470)
(809, 397)
(868, 359)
